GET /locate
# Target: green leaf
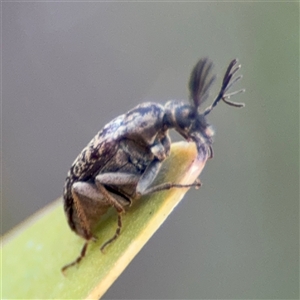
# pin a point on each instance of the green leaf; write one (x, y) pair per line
(34, 253)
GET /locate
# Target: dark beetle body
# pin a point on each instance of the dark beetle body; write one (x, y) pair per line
(121, 146)
(122, 160)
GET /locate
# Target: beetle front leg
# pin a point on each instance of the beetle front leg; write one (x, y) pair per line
(170, 185)
(143, 186)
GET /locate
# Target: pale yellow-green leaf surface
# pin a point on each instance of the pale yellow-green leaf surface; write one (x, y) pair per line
(34, 253)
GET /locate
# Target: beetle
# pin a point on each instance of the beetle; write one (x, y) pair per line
(120, 163)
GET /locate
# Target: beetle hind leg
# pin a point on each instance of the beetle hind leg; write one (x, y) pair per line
(78, 259)
(91, 201)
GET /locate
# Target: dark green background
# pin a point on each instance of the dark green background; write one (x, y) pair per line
(69, 68)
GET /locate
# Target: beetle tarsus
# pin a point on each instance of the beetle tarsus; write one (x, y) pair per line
(78, 259)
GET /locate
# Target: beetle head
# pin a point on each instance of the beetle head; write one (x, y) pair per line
(187, 119)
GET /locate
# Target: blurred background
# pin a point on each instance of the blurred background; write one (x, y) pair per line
(69, 68)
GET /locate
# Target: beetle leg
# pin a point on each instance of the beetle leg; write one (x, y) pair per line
(117, 233)
(78, 259)
(91, 202)
(113, 200)
(143, 186)
(117, 178)
(170, 185)
(148, 176)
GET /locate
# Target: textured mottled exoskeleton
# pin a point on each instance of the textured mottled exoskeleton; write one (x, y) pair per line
(122, 160)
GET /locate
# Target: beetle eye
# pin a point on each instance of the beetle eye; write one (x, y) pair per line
(184, 116)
